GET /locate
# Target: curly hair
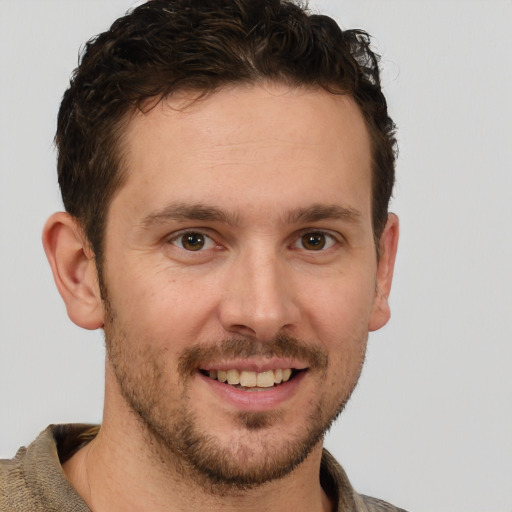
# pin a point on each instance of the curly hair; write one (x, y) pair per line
(165, 46)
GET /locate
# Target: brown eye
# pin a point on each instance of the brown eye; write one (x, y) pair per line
(193, 241)
(313, 241)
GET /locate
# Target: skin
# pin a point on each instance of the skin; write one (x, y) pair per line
(271, 164)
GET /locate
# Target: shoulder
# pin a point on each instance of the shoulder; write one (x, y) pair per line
(34, 481)
(337, 485)
(15, 483)
(376, 505)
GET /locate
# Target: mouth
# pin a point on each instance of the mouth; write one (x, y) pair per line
(251, 380)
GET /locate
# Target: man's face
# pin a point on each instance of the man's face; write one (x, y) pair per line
(241, 247)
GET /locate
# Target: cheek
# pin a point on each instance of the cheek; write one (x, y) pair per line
(342, 307)
(154, 305)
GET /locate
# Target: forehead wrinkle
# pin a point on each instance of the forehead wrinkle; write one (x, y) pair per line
(317, 212)
(185, 211)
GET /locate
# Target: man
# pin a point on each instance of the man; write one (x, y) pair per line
(226, 169)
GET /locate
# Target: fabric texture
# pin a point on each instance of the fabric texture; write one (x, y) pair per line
(33, 481)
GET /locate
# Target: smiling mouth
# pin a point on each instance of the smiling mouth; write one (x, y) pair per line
(250, 380)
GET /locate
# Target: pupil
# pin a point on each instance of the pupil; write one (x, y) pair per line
(314, 241)
(193, 241)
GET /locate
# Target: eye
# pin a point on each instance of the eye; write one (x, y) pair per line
(193, 241)
(315, 241)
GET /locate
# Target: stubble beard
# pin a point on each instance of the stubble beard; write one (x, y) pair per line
(174, 433)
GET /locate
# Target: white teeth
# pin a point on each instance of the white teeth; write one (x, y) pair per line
(233, 377)
(249, 379)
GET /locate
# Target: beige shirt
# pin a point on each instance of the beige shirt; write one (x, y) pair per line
(34, 480)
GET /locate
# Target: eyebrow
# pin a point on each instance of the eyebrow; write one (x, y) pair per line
(317, 212)
(182, 211)
(205, 213)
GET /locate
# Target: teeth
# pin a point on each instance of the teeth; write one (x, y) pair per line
(286, 374)
(233, 377)
(248, 379)
(265, 379)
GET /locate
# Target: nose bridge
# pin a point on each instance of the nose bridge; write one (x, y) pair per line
(259, 300)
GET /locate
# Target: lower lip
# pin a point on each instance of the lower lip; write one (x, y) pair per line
(262, 400)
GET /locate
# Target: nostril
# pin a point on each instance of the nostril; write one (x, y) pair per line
(242, 330)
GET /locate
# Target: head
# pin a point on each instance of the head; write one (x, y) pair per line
(227, 167)
(165, 47)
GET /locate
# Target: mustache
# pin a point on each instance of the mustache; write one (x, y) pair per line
(282, 346)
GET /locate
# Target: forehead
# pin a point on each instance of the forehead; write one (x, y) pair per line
(249, 146)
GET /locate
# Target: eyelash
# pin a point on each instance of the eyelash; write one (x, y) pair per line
(330, 240)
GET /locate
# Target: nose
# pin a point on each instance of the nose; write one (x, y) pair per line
(258, 301)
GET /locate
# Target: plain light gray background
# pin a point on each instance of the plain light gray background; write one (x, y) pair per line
(429, 427)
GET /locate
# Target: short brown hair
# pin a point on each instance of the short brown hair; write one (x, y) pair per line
(165, 46)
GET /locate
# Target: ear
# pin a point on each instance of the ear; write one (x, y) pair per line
(74, 270)
(388, 245)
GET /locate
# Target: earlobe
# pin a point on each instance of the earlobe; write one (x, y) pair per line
(388, 246)
(74, 270)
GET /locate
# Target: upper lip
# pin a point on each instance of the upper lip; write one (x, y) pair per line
(254, 364)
